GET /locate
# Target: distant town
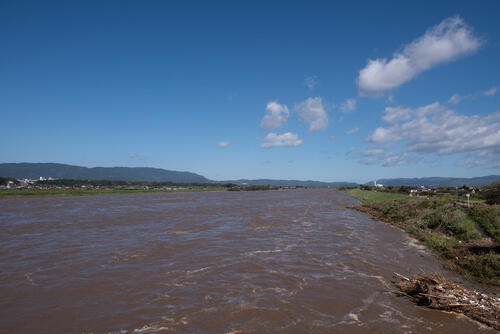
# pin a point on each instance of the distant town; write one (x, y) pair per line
(52, 186)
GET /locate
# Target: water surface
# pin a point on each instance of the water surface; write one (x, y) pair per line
(294, 261)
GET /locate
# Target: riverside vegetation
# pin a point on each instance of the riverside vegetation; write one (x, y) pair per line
(468, 238)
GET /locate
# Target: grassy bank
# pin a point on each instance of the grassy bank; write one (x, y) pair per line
(367, 197)
(5, 193)
(467, 238)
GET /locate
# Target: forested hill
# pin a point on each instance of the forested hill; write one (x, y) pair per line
(440, 181)
(61, 171)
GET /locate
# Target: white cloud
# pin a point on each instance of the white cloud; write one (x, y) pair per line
(435, 129)
(387, 159)
(287, 139)
(393, 114)
(353, 131)
(455, 99)
(445, 42)
(374, 151)
(223, 144)
(383, 135)
(277, 115)
(348, 105)
(395, 159)
(313, 113)
(311, 82)
(490, 92)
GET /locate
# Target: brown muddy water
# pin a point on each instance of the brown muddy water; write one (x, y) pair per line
(293, 261)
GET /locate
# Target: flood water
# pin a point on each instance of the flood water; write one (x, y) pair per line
(296, 261)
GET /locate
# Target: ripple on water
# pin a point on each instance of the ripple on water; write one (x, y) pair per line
(293, 261)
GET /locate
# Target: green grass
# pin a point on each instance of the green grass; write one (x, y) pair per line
(441, 244)
(488, 218)
(366, 197)
(5, 193)
(448, 230)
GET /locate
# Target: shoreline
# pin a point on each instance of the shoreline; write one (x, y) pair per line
(467, 252)
(435, 291)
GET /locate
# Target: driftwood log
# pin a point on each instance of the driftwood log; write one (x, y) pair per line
(437, 292)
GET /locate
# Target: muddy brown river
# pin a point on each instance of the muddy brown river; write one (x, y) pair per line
(296, 261)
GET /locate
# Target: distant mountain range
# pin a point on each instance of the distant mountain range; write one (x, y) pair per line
(439, 181)
(291, 183)
(62, 171)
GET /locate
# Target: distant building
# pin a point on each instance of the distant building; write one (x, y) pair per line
(413, 191)
(377, 185)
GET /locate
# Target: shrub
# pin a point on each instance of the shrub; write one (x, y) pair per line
(491, 193)
(488, 218)
(463, 229)
(440, 244)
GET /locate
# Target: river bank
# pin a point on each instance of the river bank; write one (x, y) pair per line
(468, 239)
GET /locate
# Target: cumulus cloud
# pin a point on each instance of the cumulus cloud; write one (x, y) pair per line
(490, 92)
(277, 115)
(313, 113)
(353, 131)
(223, 144)
(445, 42)
(311, 82)
(386, 158)
(393, 114)
(455, 99)
(348, 105)
(287, 139)
(395, 159)
(435, 129)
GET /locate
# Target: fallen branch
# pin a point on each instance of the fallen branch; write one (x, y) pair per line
(437, 292)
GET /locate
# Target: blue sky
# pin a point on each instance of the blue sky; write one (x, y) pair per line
(230, 90)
